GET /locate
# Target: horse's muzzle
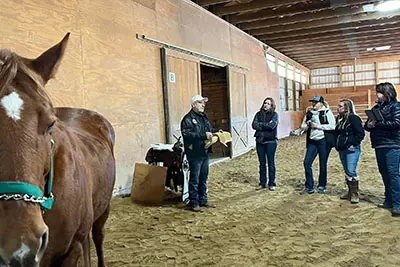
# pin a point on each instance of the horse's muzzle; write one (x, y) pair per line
(24, 256)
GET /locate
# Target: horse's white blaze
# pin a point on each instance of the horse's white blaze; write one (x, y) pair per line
(12, 103)
(22, 252)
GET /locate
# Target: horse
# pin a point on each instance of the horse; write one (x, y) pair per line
(57, 169)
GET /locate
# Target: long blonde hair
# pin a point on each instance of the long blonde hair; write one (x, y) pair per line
(349, 108)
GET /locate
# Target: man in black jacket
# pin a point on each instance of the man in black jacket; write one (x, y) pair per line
(385, 139)
(196, 129)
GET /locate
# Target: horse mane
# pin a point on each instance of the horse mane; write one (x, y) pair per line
(10, 64)
(8, 68)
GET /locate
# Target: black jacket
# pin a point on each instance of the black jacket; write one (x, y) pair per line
(265, 123)
(194, 127)
(386, 134)
(349, 133)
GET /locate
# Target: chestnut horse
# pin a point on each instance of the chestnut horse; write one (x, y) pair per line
(57, 169)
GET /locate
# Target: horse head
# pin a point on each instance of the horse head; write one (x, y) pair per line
(27, 119)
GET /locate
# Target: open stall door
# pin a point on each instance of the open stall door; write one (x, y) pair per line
(181, 80)
(238, 111)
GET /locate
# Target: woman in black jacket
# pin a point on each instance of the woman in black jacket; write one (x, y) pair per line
(385, 139)
(350, 133)
(265, 123)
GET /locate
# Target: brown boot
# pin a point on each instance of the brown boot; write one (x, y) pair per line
(354, 198)
(346, 195)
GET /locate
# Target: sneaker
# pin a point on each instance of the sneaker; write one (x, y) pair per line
(194, 208)
(395, 212)
(260, 187)
(384, 206)
(307, 191)
(272, 188)
(321, 190)
(208, 205)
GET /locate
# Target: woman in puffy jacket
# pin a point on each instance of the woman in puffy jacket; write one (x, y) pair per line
(265, 123)
(385, 139)
(350, 133)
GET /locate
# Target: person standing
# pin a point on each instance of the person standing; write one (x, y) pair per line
(265, 123)
(196, 129)
(350, 133)
(385, 139)
(318, 119)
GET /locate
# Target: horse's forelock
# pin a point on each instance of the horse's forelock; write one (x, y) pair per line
(8, 67)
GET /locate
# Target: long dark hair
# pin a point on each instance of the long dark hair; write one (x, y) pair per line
(273, 105)
(388, 90)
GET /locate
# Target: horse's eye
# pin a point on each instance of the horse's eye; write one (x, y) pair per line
(50, 127)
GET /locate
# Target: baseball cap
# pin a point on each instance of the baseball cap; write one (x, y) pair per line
(317, 98)
(196, 98)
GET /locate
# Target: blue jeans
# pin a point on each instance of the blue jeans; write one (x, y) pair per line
(267, 152)
(198, 181)
(388, 160)
(349, 159)
(313, 149)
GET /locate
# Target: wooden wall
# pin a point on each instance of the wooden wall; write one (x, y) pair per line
(363, 97)
(110, 71)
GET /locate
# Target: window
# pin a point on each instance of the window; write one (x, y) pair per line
(290, 95)
(303, 77)
(282, 94)
(281, 68)
(271, 63)
(290, 74)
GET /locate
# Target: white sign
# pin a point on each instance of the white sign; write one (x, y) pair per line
(172, 77)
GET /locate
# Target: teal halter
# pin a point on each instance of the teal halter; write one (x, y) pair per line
(29, 192)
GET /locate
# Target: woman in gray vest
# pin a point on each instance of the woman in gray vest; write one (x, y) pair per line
(319, 123)
(265, 123)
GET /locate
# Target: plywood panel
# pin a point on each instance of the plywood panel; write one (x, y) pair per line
(180, 89)
(238, 108)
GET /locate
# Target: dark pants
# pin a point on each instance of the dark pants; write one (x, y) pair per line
(313, 149)
(198, 181)
(388, 160)
(267, 152)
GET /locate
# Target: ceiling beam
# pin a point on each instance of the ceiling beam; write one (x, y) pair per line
(319, 16)
(205, 3)
(373, 39)
(254, 6)
(336, 41)
(326, 22)
(299, 8)
(332, 51)
(363, 60)
(328, 63)
(325, 30)
(329, 36)
(346, 56)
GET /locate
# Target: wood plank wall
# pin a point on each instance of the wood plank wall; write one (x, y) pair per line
(363, 97)
(108, 70)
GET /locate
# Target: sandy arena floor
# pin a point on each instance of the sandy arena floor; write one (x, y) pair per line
(253, 228)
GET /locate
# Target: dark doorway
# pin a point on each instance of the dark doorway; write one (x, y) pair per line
(214, 85)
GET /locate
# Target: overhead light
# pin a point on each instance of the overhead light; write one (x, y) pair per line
(388, 5)
(368, 8)
(380, 48)
(370, 49)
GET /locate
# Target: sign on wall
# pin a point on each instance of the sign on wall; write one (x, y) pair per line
(172, 77)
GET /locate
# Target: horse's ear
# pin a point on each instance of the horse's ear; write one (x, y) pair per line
(47, 63)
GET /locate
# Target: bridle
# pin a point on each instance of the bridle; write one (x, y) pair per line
(29, 192)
